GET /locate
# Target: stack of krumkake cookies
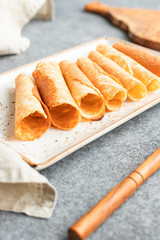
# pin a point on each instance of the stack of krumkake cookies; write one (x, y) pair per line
(65, 92)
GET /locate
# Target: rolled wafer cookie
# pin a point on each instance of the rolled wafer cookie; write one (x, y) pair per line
(32, 117)
(146, 58)
(113, 92)
(150, 80)
(86, 95)
(55, 94)
(135, 89)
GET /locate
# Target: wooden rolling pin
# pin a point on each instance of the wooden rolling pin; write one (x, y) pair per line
(114, 199)
(142, 25)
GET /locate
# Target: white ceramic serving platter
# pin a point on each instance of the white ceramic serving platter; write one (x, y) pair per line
(56, 144)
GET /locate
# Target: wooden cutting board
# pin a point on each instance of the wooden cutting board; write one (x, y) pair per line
(142, 25)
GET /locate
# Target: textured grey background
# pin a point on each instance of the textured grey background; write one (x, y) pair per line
(88, 174)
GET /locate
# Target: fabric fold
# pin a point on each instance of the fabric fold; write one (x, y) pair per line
(14, 15)
(23, 189)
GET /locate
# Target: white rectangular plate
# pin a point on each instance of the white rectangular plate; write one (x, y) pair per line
(56, 144)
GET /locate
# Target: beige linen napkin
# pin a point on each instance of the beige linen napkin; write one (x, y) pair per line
(23, 189)
(46, 12)
(14, 15)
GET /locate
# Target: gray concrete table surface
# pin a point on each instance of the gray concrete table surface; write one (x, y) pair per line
(86, 175)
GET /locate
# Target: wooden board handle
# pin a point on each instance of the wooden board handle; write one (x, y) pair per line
(114, 199)
(97, 7)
